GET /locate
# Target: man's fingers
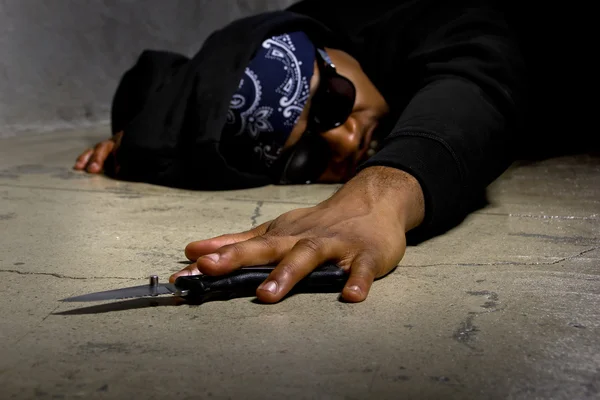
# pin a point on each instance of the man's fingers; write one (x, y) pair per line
(197, 249)
(362, 274)
(191, 269)
(83, 159)
(301, 260)
(101, 152)
(260, 250)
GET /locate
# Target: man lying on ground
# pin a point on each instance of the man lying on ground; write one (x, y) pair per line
(415, 106)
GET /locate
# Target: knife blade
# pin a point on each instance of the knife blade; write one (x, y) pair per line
(243, 282)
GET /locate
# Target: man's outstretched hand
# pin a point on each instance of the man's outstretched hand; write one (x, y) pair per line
(94, 160)
(361, 228)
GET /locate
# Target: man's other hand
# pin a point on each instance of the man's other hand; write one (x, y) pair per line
(93, 160)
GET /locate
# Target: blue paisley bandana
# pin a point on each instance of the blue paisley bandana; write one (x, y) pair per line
(272, 94)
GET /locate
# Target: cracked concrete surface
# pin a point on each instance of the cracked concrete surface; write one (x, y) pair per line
(504, 306)
(256, 213)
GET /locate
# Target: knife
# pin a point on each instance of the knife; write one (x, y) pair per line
(243, 282)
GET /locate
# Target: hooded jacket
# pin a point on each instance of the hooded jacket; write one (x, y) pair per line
(452, 73)
(173, 108)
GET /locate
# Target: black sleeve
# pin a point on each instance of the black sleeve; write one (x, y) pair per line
(457, 133)
(138, 83)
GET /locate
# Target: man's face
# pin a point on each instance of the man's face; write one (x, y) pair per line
(351, 141)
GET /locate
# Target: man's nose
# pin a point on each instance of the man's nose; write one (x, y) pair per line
(344, 140)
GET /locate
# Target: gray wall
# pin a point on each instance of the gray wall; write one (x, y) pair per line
(61, 59)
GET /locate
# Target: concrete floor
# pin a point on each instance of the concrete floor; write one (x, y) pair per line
(506, 306)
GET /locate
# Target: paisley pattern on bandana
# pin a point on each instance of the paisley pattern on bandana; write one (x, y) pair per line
(295, 88)
(272, 94)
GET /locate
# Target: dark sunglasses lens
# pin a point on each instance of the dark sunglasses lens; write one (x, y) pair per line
(335, 103)
(343, 88)
(331, 107)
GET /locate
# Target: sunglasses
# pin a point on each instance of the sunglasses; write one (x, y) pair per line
(330, 107)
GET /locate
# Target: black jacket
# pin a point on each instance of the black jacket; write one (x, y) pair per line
(453, 74)
(454, 78)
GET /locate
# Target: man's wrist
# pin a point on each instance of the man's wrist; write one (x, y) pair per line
(394, 188)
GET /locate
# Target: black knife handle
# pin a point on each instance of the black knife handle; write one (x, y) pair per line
(243, 282)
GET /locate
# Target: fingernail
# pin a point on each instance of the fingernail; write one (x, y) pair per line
(355, 288)
(270, 286)
(214, 257)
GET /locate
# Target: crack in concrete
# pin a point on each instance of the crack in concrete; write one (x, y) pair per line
(77, 190)
(37, 326)
(373, 376)
(590, 217)
(257, 213)
(494, 264)
(49, 314)
(296, 203)
(178, 194)
(566, 217)
(61, 276)
(591, 241)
